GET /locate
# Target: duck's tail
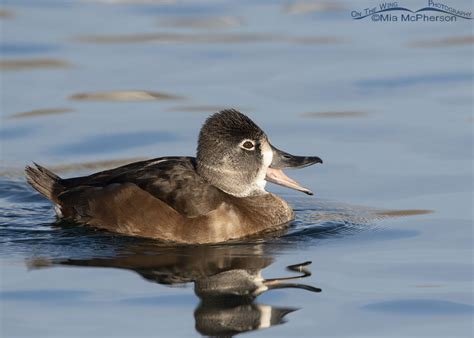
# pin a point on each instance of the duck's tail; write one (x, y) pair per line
(44, 181)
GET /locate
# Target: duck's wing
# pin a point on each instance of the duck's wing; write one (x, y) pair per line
(130, 171)
(173, 180)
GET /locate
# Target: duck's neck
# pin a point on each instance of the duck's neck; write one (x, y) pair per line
(231, 181)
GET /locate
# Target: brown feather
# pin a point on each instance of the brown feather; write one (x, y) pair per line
(44, 181)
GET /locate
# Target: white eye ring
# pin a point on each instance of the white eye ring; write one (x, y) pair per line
(245, 145)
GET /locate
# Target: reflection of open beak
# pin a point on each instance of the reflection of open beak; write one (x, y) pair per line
(278, 283)
(285, 160)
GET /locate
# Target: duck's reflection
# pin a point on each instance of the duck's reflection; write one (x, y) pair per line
(227, 300)
(230, 317)
(227, 279)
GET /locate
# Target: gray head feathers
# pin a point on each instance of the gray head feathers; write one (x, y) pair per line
(228, 123)
(223, 162)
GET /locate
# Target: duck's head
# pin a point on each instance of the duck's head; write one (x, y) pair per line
(235, 155)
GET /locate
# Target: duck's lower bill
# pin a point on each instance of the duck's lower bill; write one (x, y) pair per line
(277, 176)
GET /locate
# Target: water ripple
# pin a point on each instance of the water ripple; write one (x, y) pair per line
(28, 226)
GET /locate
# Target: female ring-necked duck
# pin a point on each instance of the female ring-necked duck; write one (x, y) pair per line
(217, 196)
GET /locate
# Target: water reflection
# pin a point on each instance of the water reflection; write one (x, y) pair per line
(208, 38)
(227, 280)
(443, 42)
(124, 95)
(218, 22)
(42, 112)
(24, 64)
(6, 14)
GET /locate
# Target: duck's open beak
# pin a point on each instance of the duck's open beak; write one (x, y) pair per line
(284, 160)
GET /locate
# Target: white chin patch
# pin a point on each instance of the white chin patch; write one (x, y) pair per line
(265, 316)
(267, 154)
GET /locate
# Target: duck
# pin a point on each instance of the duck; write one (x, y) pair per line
(215, 197)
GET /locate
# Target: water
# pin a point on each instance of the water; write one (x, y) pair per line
(88, 85)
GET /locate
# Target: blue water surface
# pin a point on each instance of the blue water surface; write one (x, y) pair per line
(388, 106)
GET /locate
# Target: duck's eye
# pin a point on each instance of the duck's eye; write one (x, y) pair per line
(248, 145)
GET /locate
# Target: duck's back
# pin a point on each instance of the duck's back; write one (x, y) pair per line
(173, 180)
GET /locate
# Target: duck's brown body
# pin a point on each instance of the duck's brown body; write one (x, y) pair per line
(163, 198)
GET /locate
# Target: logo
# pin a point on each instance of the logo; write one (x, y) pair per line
(393, 12)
